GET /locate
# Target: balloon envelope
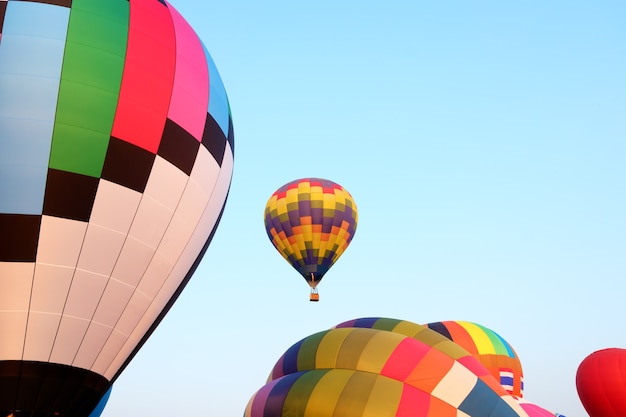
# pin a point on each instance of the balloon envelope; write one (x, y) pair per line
(365, 371)
(311, 222)
(116, 155)
(601, 383)
(495, 353)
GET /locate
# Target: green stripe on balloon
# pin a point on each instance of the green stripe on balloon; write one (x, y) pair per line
(92, 71)
(300, 392)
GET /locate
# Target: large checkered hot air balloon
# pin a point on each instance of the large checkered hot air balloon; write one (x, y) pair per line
(116, 157)
(311, 222)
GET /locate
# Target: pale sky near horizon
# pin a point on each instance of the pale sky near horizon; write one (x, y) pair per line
(484, 145)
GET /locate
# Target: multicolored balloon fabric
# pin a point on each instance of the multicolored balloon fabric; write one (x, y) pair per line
(495, 353)
(311, 222)
(372, 372)
(601, 383)
(433, 339)
(116, 157)
(533, 410)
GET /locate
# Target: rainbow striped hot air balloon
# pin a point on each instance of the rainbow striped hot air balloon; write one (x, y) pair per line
(116, 156)
(495, 353)
(355, 372)
(311, 222)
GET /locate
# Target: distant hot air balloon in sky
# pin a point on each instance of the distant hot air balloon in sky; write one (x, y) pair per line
(495, 353)
(116, 157)
(311, 222)
(601, 383)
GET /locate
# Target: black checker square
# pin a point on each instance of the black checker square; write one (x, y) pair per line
(128, 165)
(213, 139)
(178, 147)
(20, 235)
(69, 195)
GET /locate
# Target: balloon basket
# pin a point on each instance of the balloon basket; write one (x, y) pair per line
(314, 295)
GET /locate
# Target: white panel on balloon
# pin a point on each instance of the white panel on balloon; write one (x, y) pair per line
(156, 274)
(101, 249)
(133, 261)
(85, 292)
(115, 206)
(108, 361)
(50, 288)
(166, 183)
(13, 322)
(116, 296)
(133, 312)
(151, 222)
(212, 210)
(40, 335)
(206, 171)
(71, 333)
(95, 338)
(16, 279)
(455, 386)
(185, 219)
(60, 241)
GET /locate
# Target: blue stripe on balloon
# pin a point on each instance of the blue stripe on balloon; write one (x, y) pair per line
(218, 100)
(276, 399)
(31, 54)
(290, 362)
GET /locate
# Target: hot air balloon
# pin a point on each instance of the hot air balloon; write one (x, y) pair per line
(311, 222)
(116, 156)
(495, 353)
(363, 371)
(601, 383)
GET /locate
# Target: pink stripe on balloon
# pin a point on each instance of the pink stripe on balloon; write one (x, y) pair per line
(260, 399)
(190, 97)
(148, 76)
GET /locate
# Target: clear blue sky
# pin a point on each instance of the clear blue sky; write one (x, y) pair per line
(484, 144)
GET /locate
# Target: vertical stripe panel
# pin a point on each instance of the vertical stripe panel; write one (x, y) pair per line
(299, 395)
(352, 348)
(350, 402)
(191, 80)
(90, 84)
(460, 336)
(381, 349)
(324, 398)
(329, 347)
(384, 398)
(257, 403)
(480, 337)
(148, 76)
(31, 54)
(276, 400)
(218, 100)
(15, 287)
(308, 350)
(404, 359)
